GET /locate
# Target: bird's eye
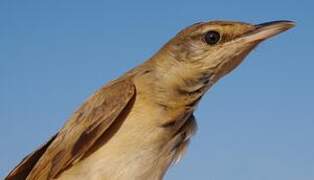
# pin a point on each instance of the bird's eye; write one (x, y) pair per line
(212, 37)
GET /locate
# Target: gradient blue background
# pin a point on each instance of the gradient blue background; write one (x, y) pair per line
(256, 124)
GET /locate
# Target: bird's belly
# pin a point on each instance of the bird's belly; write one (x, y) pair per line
(134, 150)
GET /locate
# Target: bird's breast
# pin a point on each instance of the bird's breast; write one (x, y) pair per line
(137, 146)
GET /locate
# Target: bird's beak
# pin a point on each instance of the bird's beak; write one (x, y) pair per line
(266, 30)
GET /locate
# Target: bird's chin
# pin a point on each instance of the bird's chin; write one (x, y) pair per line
(234, 61)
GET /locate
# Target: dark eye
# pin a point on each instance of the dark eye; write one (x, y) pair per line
(212, 37)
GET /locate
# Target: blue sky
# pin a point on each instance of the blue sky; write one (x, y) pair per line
(255, 124)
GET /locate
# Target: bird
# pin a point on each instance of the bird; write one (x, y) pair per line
(137, 126)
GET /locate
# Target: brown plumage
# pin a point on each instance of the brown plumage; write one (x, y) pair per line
(138, 125)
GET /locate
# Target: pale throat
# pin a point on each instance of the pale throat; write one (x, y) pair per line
(180, 83)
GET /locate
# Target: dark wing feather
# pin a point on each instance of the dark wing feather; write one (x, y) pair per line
(83, 129)
(21, 171)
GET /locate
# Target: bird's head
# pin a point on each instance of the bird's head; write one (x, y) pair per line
(201, 54)
(218, 47)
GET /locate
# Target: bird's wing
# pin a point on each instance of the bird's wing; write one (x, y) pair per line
(80, 133)
(25, 166)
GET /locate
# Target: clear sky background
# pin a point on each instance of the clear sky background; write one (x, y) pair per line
(255, 124)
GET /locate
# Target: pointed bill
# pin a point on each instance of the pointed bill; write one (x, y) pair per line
(266, 30)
